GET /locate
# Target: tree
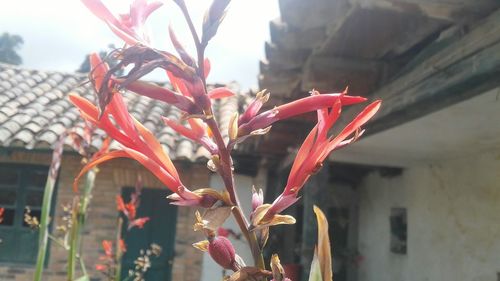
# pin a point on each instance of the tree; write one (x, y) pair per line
(105, 55)
(9, 45)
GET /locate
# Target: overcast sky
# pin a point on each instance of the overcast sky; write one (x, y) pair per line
(58, 34)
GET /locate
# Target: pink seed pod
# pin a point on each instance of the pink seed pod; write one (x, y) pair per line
(222, 251)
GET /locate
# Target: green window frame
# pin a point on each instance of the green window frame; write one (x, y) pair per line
(21, 186)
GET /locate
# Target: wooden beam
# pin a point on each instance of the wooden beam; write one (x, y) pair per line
(311, 13)
(282, 83)
(458, 11)
(284, 59)
(334, 74)
(377, 33)
(467, 67)
(290, 38)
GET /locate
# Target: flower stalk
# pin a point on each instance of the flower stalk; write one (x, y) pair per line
(189, 93)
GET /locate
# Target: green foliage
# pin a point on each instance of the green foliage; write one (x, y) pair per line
(46, 207)
(9, 45)
(44, 228)
(315, 273)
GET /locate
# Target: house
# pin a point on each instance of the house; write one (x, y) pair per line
(418, 197)
(34, 112)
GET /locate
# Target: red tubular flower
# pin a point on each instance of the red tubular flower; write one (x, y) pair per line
(123, 246)
(101, 267)
(252, 122)
(254, 107)
(130, 211)
(120, 205)
(108, 248)
(139, 223)
(162, 94)
(316, 148)
(313, 151)
(221, 92)
(2, 210)
(137, 141)
(129, 27)
(198, 132)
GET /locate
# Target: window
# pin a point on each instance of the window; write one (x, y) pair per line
(21, 186)
(398, 230)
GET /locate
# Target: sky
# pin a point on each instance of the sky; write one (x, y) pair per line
(59, 33)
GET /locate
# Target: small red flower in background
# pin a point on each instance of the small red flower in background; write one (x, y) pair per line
(110, 258)
(221, 231)
(107, 258)
(227, 232)
(2, 210)
(107, 245)
(123, 246)
(129, 209)
(101, 267)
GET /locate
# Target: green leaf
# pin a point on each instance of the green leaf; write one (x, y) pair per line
(83, 278)
(315, 272)
(46, 205)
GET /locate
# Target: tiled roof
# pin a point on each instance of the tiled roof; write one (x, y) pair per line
(35, 110)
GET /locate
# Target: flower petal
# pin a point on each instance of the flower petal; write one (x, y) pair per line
(363, 117)
(159, 93)
(206, 67)
(91, 164)
(221, 92)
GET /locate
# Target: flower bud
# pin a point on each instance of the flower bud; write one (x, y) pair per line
(257, 198)
(222, 252)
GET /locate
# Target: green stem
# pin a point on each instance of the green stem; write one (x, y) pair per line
(57, 241)
(225, 169)
(79, 215)
(226, 172)
(119, 253)
(44, 228)
(82, 266)
(73, 247)
(251, 238)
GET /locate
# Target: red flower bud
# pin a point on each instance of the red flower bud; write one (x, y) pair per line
(222, 251)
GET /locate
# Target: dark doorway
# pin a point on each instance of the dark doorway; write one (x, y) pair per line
(160, 230)
(338, 220)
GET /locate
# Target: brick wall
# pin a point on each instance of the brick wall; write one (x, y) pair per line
(102, 217)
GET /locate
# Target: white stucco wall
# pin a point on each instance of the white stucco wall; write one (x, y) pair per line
(210, 270)
(453, 210)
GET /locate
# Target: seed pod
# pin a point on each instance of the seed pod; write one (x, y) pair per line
(222, 252)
